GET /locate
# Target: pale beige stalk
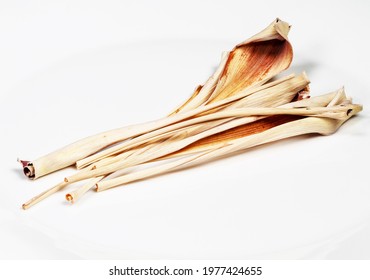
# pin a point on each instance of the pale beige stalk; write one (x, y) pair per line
(44, 195)
(79, 192)
(264, 95)
(275, 96)
(308, 125)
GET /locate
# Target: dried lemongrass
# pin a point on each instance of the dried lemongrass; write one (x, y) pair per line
(104, 170)
(44, 195)
(161, 150)
(323, 124)
(271, 94)
(268, 50)
(237, 108)
(75, 195)
(308, 107)
(278, 95)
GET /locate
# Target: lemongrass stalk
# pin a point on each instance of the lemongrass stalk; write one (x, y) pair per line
(246, 130)
(44, 195)
(271, 94)
(75, 195)
(79, 192)
(148, 172)
(185, 140)
(202, 93)
(166, 132)
(336, 112)
(289, 109)
(123, 156)
(308, 125)
(207, 155)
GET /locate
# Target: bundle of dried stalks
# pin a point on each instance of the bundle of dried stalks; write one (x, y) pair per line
(237, 108)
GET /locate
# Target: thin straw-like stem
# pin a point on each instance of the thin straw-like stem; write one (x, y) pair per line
(44, 195)
(78, 193)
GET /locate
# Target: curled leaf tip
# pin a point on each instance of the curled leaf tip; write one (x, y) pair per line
(23, 162)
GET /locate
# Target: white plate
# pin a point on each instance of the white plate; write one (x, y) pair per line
(298, 198)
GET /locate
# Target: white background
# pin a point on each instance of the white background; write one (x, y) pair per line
(70, 69)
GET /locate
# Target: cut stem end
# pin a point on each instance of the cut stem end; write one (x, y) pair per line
(28, 168)
(69, 197)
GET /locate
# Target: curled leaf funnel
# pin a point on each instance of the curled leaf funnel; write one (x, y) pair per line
(250, 63)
